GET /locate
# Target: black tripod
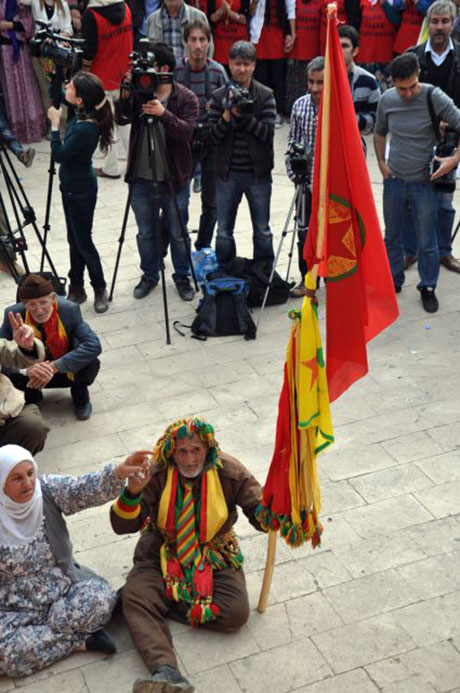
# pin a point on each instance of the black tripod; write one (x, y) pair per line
(299, 204)
(155, 147)
(24, 215)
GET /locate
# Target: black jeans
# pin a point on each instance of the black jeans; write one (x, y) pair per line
(272, 73)
(208, 218)
(79, 203)
(78, 386)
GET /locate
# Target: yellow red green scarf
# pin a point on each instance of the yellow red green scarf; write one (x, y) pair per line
(56, 340)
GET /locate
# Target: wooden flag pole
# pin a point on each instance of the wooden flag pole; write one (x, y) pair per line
(268, 573)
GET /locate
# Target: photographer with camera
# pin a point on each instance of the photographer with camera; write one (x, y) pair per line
(174, 109)
(404, 113)
(242, 117)
(203, 76)
(90, 123)
(439, 59)
(299, 157)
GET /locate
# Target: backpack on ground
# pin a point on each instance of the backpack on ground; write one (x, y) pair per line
(257, 274)
(223, 310)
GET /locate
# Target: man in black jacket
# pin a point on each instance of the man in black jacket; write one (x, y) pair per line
(243, 137)
(439, 59)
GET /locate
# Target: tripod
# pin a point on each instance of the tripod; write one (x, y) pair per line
(155, 147)
(24, 214)
(299, 204)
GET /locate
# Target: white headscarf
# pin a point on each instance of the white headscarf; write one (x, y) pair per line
(19, 522)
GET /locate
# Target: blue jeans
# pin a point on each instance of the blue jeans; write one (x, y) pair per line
(229, 194)
(420, 198)
(7, 137)
(445, 223)
(149, 244)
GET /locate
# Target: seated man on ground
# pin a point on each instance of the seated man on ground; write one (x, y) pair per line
(20, 424)
(72, 347)
(187, 563)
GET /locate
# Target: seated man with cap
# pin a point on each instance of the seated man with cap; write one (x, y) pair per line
(187, 562)
(71, 346)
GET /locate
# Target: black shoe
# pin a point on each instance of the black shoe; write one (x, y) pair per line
(185, 289)
(397, 289)
(100, 641)
(101, 300)
(429, 300)
(77, 294)
(144, 287)
(33, 396)
(166, 679)
(83, 411)
(27, 157)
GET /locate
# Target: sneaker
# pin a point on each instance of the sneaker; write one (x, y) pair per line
(144, 287)
(83, 412)
(299, 290)
(429, 300)
(166, 679)
(185, 289)
(278, 120)
(77, 294)
(27, 157)
(101, 300)
(397, 288)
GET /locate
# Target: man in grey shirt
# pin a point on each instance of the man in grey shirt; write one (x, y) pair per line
(404, 114)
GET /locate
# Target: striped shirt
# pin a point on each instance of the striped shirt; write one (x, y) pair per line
(304, 121)
(202, 82)
(172, 30)
(365, 93)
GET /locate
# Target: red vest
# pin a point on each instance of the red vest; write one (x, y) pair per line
(226, 33)
(307, 19)
(341, 16)
(114, 44)
(376, 35)
(409, 29)
(271, 42)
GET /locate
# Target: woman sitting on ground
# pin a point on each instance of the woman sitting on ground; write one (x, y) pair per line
(49, 605)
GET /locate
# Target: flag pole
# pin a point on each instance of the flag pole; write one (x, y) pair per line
(268, 573)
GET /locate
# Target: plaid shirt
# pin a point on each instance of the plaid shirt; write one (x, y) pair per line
(304, 119)
(172, 31)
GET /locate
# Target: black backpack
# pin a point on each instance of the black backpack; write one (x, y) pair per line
(257, 274)
(223, 310)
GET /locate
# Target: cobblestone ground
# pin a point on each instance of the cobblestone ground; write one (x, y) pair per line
(377, 607)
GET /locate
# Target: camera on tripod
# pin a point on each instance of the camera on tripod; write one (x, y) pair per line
(145, 80)
(47, 43)
(236, 95)
(300, 158)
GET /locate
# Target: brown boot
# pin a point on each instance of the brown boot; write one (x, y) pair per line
(101, 300)
(77, 294)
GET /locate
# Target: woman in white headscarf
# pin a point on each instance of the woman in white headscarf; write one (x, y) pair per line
(49, 605)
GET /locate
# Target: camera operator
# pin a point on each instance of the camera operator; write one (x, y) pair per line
(176, 109)
(302, 134)
(242, 116)
(91, 124)
(203, 76)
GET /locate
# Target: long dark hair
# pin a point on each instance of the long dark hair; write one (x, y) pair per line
(90, 90)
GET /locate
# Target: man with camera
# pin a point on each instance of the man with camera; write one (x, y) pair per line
(403, 112)
(242, 117)
(439, 59)
(203, 76)
(173, 110)
(299, 157)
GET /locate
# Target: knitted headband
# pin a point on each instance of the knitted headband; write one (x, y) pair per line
(166, 444)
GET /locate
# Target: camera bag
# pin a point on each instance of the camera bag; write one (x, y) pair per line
(257, 274)
(446, 183)
(223, 310)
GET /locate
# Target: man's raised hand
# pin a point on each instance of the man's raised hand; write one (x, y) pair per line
(23, 334)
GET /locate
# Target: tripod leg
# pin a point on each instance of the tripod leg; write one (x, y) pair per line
(121, 241)
(165, 304)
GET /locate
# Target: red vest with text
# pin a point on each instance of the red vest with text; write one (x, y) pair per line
(409, 29)
(376, 34)
(114, 44)
(227, 32)
(307, 20)
(271, 42)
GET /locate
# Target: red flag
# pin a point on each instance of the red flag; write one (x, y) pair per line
(344, 235)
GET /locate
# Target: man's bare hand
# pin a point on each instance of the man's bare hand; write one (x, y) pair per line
(137, 469)
(289, 41)
(127, 79)
(447, 163)
(154, 108)
(23, 334)
(384, 170)
(39, 375)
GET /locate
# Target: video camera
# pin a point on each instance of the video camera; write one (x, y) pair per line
(145, 80)
(236, 95)
(45, 44)
(300, 157)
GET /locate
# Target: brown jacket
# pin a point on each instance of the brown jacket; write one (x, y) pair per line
(239, 488)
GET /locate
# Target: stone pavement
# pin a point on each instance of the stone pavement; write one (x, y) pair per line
(377, 607)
